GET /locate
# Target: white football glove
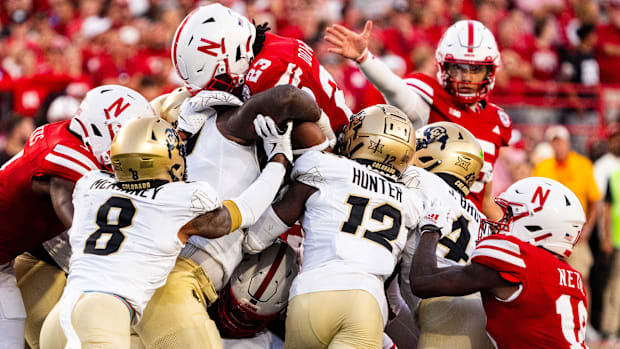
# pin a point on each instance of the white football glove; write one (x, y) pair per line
(437, 218)
(195, 111)
(274, 140)
(206, 99)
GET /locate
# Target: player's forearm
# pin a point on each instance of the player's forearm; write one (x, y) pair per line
(61, 194)
(395, 90)
(425, 278)
(285, 102)
(264, 232)
(490, 209)
(258, 196)
(210, 225)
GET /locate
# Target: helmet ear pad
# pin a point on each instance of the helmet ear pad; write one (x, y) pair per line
(381, 137)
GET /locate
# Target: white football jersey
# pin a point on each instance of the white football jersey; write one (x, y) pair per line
(456, 247)
(126, 242)
(355, 225)
(230, 168)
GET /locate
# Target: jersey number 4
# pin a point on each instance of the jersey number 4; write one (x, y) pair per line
(356, 215)
(109, 237)
(457, 248)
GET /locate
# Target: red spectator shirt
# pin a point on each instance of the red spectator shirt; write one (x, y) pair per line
(490, 125)
(608, 64)
(28, 219)
(550, 310)
(284, 61)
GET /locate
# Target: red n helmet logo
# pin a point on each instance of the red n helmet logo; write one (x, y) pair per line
(540, 196)
(211, 45)
(117, 106)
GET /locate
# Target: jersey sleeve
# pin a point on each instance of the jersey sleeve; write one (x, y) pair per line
(68, 162)
(267, 72)
(505, 125)
(502, 255)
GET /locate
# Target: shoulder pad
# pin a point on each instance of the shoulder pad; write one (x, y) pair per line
(315, 167)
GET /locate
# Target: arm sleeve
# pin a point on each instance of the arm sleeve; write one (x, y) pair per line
(258, 196)
(396, 91)
(262, 234)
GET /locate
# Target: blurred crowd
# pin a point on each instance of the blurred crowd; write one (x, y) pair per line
(53, 51)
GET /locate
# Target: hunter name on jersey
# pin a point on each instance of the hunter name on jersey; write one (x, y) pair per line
(377, 183)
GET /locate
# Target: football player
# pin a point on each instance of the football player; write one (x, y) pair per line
(521, 271)
(36, 187)
(356, 219)
(130, 227)
(467, 59)
(447, 161)
(224, 154)
(215, 48)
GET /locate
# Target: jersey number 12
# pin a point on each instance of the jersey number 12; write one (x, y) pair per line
(356, 215)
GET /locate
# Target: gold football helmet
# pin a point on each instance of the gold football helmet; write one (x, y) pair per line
(381, 137)
(447, 148)
(147, 152)
(168, 105)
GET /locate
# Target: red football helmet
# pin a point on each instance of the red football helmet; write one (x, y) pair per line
(258, 291)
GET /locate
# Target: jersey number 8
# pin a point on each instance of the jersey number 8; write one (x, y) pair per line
(109, 237)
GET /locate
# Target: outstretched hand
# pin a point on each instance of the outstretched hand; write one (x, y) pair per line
(348, 43)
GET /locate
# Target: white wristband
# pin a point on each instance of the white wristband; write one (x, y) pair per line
(362, 57)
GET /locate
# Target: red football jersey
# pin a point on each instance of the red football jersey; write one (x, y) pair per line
(490, 125)
(550, 309)
(27, 219)
(284, 61)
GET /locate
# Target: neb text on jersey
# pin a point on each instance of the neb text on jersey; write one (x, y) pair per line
(570, 278)
(376, 183)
